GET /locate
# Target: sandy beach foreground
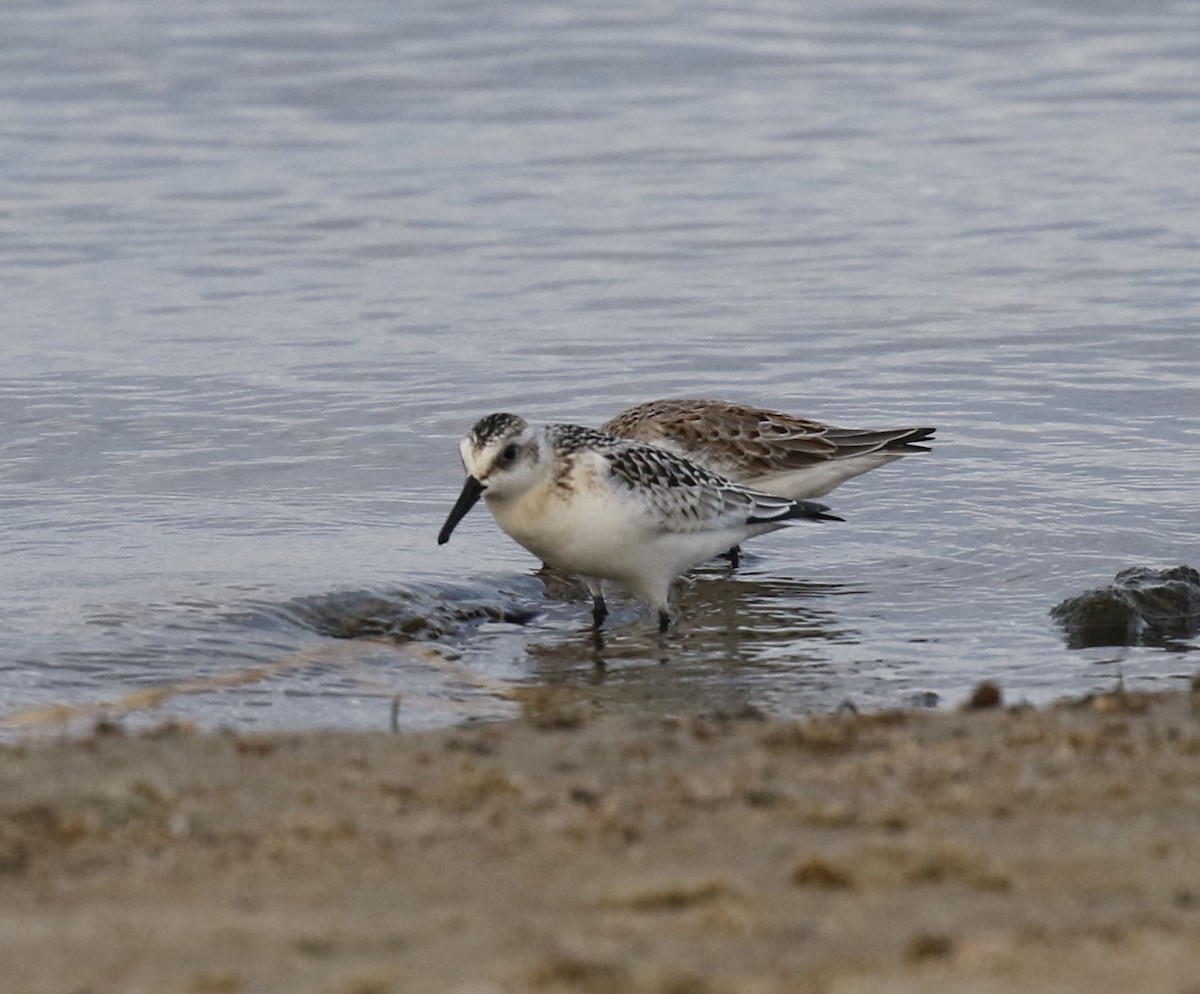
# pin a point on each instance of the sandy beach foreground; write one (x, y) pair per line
(981, 850)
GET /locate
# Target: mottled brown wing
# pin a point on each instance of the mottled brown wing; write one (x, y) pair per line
(744, 443)
(733, 440)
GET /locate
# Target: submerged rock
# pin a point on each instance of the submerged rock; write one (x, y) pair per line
(424, 613)
(1142, 606)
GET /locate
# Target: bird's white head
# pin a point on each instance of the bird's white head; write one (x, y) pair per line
(501, 451)
(502, 455)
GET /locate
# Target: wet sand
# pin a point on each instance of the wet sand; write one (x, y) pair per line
(982, 850)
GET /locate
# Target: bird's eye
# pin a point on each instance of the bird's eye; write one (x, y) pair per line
(510, 452)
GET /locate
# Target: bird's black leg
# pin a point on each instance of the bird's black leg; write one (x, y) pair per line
(733, 555)
(664, 621)
(599, 610)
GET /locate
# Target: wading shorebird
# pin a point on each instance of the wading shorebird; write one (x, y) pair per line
(765, 450)
(609, 508)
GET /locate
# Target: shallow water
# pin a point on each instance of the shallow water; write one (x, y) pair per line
(263, 263)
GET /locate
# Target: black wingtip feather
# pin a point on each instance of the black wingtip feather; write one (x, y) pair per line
(812, 510)
(806, 510)
(909, 442)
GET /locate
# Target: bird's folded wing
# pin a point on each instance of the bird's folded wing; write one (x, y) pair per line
(678, 496)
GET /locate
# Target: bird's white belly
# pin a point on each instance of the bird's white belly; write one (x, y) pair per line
(577, 532)
(608, 536)
(818, 480)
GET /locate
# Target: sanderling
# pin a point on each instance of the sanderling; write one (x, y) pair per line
(610, 508)
(765, 450)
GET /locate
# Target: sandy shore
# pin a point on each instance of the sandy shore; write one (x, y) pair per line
(983, 850)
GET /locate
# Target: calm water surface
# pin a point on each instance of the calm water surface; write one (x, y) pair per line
(262, 263)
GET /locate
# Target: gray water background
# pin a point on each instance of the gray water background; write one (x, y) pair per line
(262, 264)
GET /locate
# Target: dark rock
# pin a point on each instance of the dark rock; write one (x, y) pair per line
(1142, 606)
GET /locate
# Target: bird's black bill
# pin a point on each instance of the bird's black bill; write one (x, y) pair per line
(471, 491)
